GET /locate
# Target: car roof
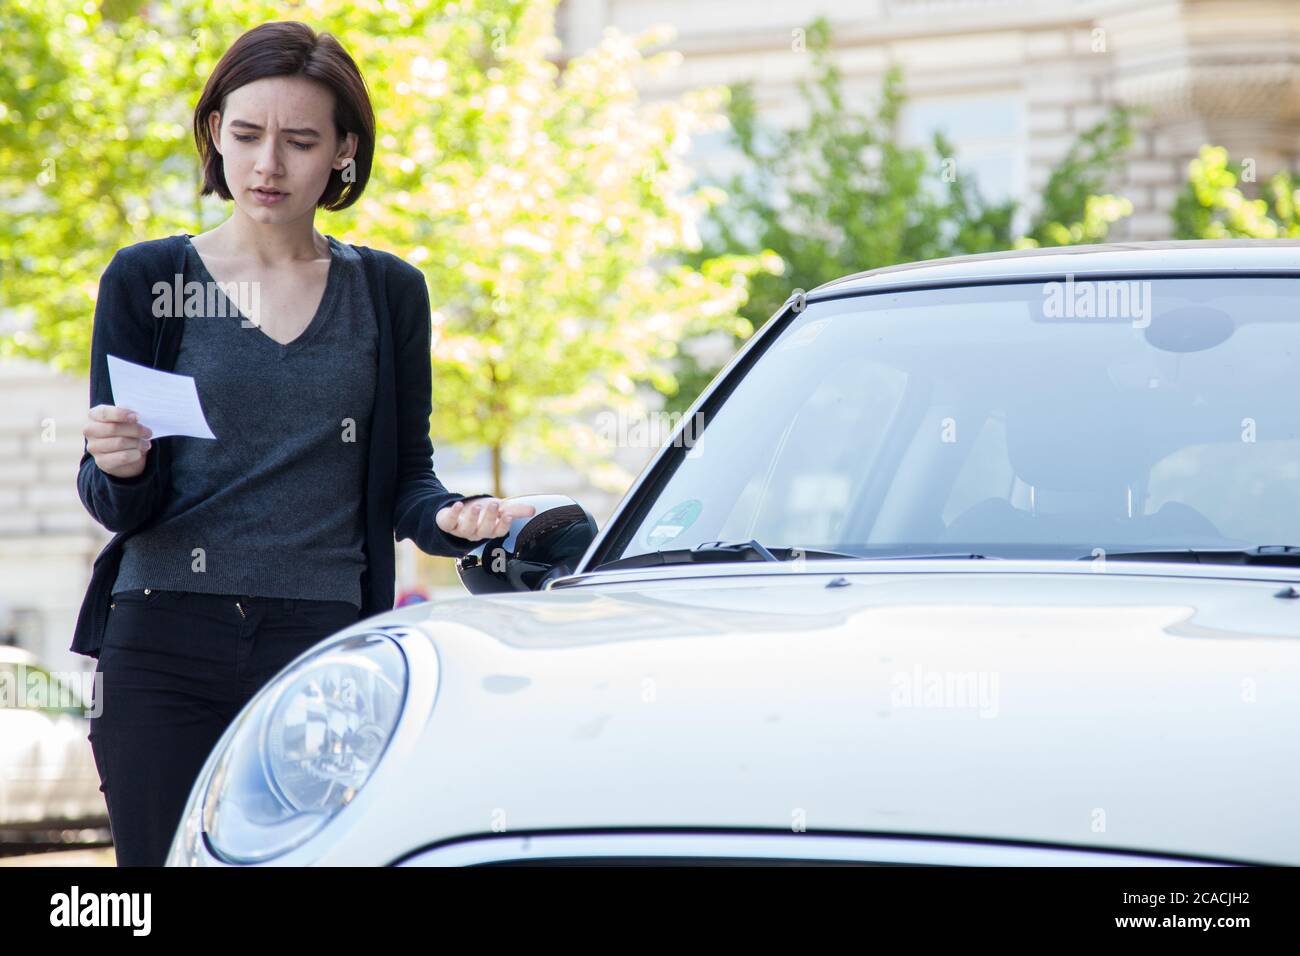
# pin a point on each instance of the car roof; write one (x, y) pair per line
(1173, 256)
(9, 654)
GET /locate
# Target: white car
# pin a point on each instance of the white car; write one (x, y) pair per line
(990, 560)
(48, 779)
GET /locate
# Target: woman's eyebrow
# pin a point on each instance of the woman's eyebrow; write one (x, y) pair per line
(299, 131)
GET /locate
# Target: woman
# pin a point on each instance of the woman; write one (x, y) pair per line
(233, 556)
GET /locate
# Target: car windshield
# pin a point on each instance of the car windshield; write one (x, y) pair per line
(1043, 419)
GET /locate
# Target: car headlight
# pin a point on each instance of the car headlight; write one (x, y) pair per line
(302, 750)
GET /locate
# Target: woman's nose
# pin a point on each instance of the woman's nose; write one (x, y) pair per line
(268, 157)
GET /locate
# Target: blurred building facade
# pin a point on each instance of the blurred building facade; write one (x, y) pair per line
(1013, 81)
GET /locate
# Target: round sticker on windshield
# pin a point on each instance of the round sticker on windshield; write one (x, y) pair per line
(673, 522)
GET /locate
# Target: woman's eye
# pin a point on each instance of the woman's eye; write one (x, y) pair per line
(248, 139)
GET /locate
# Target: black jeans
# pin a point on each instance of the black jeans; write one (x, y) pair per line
(177, 668)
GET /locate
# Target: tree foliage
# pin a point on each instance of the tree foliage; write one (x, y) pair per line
(550, 209)
(1213, 206)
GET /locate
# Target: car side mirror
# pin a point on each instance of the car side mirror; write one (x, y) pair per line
(534, 550)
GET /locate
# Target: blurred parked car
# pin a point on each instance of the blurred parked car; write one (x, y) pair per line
(990, 560)
(48, 778)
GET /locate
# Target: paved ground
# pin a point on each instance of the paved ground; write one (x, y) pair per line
(100, 856)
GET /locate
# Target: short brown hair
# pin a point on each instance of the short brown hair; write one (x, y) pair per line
(289, 48)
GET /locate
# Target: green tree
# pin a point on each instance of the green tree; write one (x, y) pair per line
(94, 155)
(838, 194)
(550, 209)
(1211, 206)
(1075, 209)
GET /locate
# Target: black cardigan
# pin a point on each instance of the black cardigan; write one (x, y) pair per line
(402, 492)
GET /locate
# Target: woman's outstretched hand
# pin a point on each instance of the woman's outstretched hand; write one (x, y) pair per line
(481, 518)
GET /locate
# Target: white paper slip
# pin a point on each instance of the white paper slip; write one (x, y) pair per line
(168, 404)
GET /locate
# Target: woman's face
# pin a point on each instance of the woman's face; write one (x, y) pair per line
(278, 146)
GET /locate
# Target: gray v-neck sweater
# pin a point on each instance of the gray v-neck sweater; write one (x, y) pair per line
(274, 506)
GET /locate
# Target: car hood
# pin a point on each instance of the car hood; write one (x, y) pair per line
(1117, 711)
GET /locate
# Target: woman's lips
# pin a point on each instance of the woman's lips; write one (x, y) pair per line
(268, 197)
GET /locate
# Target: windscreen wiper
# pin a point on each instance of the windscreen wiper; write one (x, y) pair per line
(718, 552)
(1285, 555)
